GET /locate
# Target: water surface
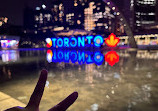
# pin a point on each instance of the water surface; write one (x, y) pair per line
(106, 81)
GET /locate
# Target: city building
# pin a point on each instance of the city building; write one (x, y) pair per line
(144, 14)
(42, 20)
(3, 20)
(99, 17)
(74, 14)
(57, 12)
(9, 42)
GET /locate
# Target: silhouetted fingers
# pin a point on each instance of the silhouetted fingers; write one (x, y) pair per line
(67, 102)
(38, 91)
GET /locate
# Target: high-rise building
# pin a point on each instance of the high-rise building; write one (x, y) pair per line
(43, 19)
(141, 15)
(145, 13)
(57, 11)
(74, 14)
(99, 17)
(37, 20)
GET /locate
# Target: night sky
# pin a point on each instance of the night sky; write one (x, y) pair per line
(13, 9)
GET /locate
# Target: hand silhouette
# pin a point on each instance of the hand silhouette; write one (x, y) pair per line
(35, 99)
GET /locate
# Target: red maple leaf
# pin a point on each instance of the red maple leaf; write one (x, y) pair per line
(112, 40)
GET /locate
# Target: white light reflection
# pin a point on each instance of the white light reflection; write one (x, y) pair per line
(94, 107)
(47, 84)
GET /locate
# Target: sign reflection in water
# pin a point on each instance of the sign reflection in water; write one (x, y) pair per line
(112, 57)
(75, 56)
(82, 57)
(9, 55)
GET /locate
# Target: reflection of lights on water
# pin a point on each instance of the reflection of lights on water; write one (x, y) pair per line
(80, 57)
(112, 57)
(47, 84)
(49, 58)
(22, 97)
(116, 75)
(94, 107)
(149, 75)
(98, 56)
(10, 55)
(107, 96)
(112, 92)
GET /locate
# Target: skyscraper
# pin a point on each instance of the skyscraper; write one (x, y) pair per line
(145, 13)
(99, 17)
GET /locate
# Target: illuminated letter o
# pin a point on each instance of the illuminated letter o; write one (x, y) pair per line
(75, 40)
(98, 41)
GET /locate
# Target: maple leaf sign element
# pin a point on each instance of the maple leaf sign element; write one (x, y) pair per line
(112, 57)
(112, 40)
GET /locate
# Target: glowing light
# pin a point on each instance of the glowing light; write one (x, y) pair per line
(43, 6)
(98, 58)
(108, 3)
(112, 40)
(81, 41)
(10, 55)
(118, 13)
(49, 42)
(113, 8)
(1, 23)
(59, 42)
(66, 42)
(98, 41)
(37, 8)
(49, 55)
(5, 44)
(112, 58)
(75, 42)
(75, 4)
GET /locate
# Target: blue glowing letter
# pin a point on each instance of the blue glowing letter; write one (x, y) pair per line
(98, 58)
(81, 41)
(89, 59)
(89, 38)
(66, 42)
(75, 42)
(54, 58)
(59, 42)
(54, 42)
(98, 41)
(66, 56)
(81, 57)
(73, 56)
(60, 55)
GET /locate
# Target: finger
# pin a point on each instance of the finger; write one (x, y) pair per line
(38, 91)
(66, 103)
